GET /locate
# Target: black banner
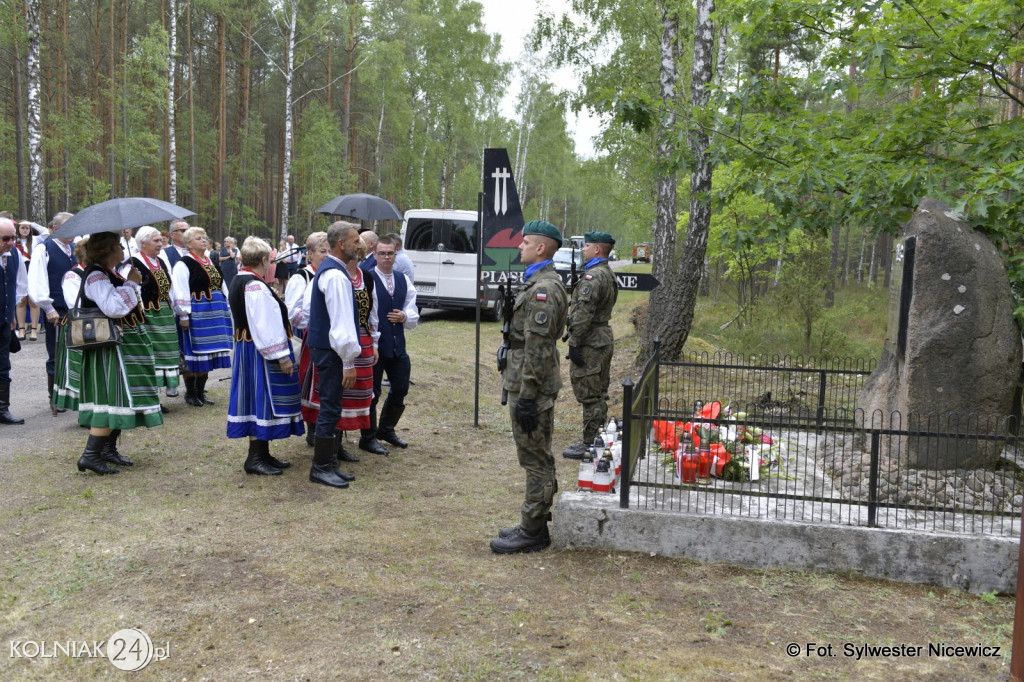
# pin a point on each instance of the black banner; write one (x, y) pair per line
(502, 215)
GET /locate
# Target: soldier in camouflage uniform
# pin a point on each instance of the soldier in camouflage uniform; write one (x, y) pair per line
(532, 380)
(590, 338)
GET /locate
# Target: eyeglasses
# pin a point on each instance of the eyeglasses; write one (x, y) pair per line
(8, 239)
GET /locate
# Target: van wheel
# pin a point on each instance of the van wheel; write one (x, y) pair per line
(494, 314)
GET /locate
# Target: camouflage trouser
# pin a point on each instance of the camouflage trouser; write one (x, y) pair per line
(534, 452)
(590, 386)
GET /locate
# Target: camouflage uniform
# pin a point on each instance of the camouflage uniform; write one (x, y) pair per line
(592, 302)
(532, 373)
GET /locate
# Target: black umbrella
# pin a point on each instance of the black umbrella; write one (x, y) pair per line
(115, 215)
(361, 206)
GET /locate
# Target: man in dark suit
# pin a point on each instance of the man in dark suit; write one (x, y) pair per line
(176, 249)
(13, 290)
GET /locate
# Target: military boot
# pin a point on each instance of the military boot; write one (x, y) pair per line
(256, 462)
(519, 540)
(389, 416)
(110, 453)
(324, 470)
(5, 405)
(92, 457)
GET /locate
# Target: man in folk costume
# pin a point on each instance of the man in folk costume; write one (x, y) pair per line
(51, 260)
(532, 379)
(12, 289)
(394, 311)
(334, 345)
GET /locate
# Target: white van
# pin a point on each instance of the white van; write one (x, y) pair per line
(442, 245)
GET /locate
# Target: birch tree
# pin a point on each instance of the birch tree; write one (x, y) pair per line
(37, 204)
(172, 151)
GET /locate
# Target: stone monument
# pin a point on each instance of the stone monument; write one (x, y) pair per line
(951, 347)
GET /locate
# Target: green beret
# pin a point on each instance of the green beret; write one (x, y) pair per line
(544, 229)
(598, 237)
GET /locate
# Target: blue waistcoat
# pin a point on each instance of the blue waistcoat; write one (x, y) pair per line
(57, 265)
(9, 290)
(173, 255)
(318, 333)
(392, 336)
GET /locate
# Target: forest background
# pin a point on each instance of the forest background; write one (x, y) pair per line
(799, 135)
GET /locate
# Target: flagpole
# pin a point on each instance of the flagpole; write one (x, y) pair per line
(479, 275)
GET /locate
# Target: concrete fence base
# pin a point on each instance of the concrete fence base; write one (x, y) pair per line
(974, 563)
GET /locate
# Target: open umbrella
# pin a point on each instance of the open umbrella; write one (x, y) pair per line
(115, 215)
(361, 206)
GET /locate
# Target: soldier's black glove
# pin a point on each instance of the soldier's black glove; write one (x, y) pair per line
(526, 414)
(576, 355)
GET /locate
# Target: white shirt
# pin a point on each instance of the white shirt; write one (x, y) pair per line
(181, 293)
(412, 313)
(21, 283)
(38, 277)
(337, 290)
(265, 324)
(295, 300)
(292, 254)
(71, 285)
(129, 247)
(113, 301)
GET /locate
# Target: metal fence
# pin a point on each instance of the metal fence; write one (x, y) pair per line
(789, 443)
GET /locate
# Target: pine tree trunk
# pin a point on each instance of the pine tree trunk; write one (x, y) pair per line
(191, 108)
(112, 95)
(684, 288)
(19, 138)
(664, 256)
(222, 122)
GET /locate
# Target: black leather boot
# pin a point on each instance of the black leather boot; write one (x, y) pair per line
(368, 437)
(343, 454)
(389, 417)
(575, 451)
(92, 457)
(256, 462)
(274, 461)
(324, 470)
(201, 389)
(190, 392)
(5, 405)
(109, 451)
(518, 541)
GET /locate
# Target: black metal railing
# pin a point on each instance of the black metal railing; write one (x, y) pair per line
(810, 455)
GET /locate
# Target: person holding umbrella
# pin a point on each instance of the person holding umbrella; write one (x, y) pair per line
(200, 300)
(118, 388)
(264, 404)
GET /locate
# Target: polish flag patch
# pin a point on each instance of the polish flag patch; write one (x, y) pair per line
(542, 296)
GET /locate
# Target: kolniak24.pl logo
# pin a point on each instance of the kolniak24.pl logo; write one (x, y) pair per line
(128, 649)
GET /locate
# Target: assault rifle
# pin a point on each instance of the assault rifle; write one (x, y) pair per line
(508, 302)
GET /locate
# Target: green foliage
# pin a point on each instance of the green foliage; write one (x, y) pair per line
(318, 146)
(142, 103)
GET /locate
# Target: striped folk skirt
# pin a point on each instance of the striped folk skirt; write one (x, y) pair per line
(163, 334)
(355, 401)
(264, 401)
(208, 341)
(67, 373)
(119, 388)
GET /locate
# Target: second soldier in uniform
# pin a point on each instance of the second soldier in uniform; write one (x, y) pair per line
(532, 381)
(590, 338)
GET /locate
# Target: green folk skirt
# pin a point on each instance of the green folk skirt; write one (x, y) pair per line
(118, 385)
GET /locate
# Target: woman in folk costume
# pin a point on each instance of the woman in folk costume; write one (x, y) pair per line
(67, 369)
(26, 238)
(355, 401)
(200, 300)
(297, 302)
(264, 403)
(118, 382)
(156, 301)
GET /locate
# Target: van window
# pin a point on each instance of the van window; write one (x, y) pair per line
(432, 234)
